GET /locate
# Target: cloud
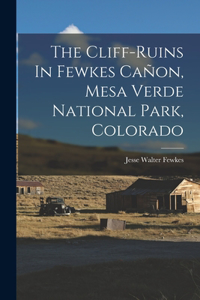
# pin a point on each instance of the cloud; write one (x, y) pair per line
(153, 146)
(69, 38)
(84, 41)
(71, 29)
(132, 60)
(27, 124)
(34, 59)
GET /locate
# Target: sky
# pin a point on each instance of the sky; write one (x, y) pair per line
(129, 16)
(109, 16)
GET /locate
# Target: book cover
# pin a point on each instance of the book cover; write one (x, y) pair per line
(108, 153)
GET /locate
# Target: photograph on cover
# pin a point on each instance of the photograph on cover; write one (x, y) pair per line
(108, 150)
(108, 104)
